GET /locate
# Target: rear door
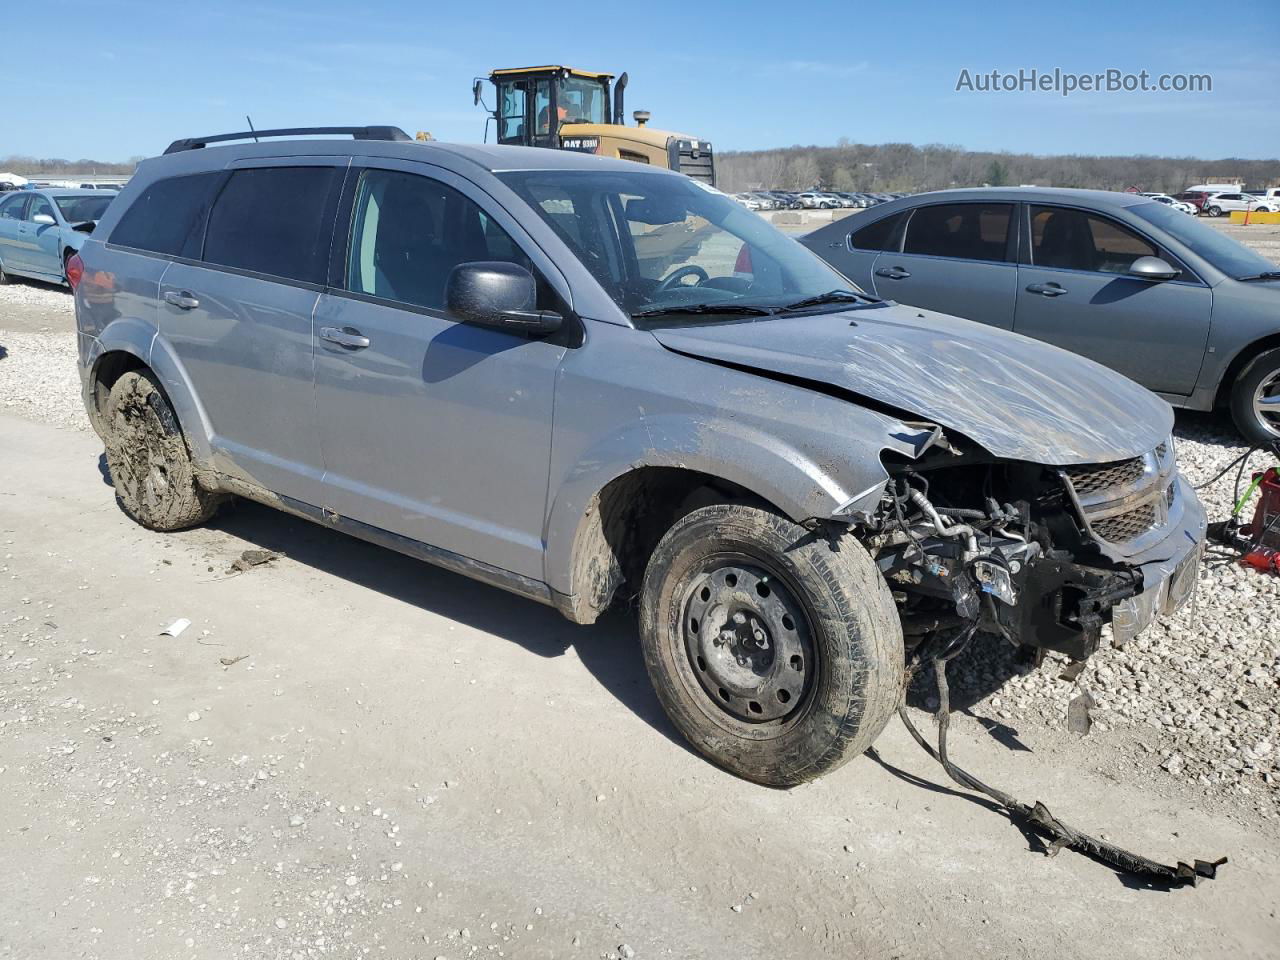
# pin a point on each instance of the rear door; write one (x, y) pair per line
(854, 252)
(956, 258)
(434, 430)
(1075, 293)
(13, 210)
(240, 318)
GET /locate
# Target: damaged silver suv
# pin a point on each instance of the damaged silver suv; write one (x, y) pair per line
(584, 382)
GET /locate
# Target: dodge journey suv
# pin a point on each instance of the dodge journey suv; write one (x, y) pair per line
(585, 382)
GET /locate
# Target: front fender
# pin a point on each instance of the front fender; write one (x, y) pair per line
(796, 482)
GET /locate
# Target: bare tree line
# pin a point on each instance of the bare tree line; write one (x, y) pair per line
(888, 167)
(56, 167)
(894, 167)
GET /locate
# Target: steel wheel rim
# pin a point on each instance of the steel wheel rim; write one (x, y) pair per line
(1266, 402)
(748, 642)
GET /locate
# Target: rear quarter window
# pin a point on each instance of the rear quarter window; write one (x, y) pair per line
(167, 217)
(274, 220)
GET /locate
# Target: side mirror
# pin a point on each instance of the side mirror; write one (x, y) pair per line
(493, 293)
(43, 219)
(475, 91)
(1152, 268)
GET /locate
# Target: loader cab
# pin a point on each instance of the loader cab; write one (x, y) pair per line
(534, 102)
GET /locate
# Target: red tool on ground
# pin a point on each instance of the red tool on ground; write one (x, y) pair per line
(1263, 533)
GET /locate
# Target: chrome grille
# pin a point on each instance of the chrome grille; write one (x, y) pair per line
(1126, 526)
(1123, 501)
(1092, 478)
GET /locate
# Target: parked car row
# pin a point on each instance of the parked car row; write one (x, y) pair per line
(811, 199)
(1217, 203)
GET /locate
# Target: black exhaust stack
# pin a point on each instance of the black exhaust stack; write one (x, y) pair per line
(618, 116)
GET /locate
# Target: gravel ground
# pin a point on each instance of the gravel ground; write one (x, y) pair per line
(1197, 693)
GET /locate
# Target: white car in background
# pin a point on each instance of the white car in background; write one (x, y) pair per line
(1268, 200)
(750, 202)
(1221, 203)
(1169, 201)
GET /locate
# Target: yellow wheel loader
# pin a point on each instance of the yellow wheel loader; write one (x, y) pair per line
(569, 109)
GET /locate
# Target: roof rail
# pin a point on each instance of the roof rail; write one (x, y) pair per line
(357, 133)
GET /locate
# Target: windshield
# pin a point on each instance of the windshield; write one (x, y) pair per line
(583, 101)
(1230, 256)
(80, 209)
(658, 242)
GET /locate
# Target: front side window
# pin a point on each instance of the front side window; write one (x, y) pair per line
(168, 216)
(408, 232)
(965, 231)
(272, 220)
(659, 243)
(1075, 240)
(542, 106)
(40, 206)
(82, 209)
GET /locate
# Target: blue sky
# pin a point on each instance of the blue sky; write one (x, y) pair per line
(124, 78)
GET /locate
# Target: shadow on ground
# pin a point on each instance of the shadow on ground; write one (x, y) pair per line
(610, 649)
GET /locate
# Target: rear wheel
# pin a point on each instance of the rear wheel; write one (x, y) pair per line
(776, 652)
(150, 463)
(1255, 399)
(1215, 211)
(4, 277)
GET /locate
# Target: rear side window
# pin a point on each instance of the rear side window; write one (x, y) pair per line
(878, 235)
(966, 231)
(274, 220)
(12, 208)
(167, 217)
(408, 233)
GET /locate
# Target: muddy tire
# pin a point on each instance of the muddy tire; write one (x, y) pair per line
(4, 277)
(776, 652)
(150, 462)
(1258, 383)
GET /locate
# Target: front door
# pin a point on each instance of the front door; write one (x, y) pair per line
(45, 235)
(431, 429)
(1076, 294)
(957, 258)
(241, 321)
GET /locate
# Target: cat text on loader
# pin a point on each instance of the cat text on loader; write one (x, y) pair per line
(569, 109)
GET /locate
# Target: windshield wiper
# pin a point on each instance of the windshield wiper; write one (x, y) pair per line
(737, 309)
(833, 296)
(1265, 275)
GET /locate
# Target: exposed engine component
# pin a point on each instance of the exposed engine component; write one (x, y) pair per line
(1048, 545)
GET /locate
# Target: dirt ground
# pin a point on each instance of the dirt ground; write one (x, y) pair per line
(349, 753)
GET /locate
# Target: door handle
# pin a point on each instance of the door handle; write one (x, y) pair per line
(346, 337)
(183, 300)
(1047, 289)
(893, 273)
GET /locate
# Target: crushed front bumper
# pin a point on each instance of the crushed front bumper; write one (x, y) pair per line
(1064, 605)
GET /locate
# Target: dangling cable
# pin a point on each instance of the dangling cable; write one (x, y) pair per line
(1038, 815)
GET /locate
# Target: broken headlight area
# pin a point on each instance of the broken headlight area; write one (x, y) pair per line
(1034, 553)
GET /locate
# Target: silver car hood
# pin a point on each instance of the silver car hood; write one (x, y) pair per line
(1019, 398)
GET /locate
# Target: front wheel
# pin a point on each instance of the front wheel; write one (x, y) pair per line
(776, 652)
(1255, 399)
